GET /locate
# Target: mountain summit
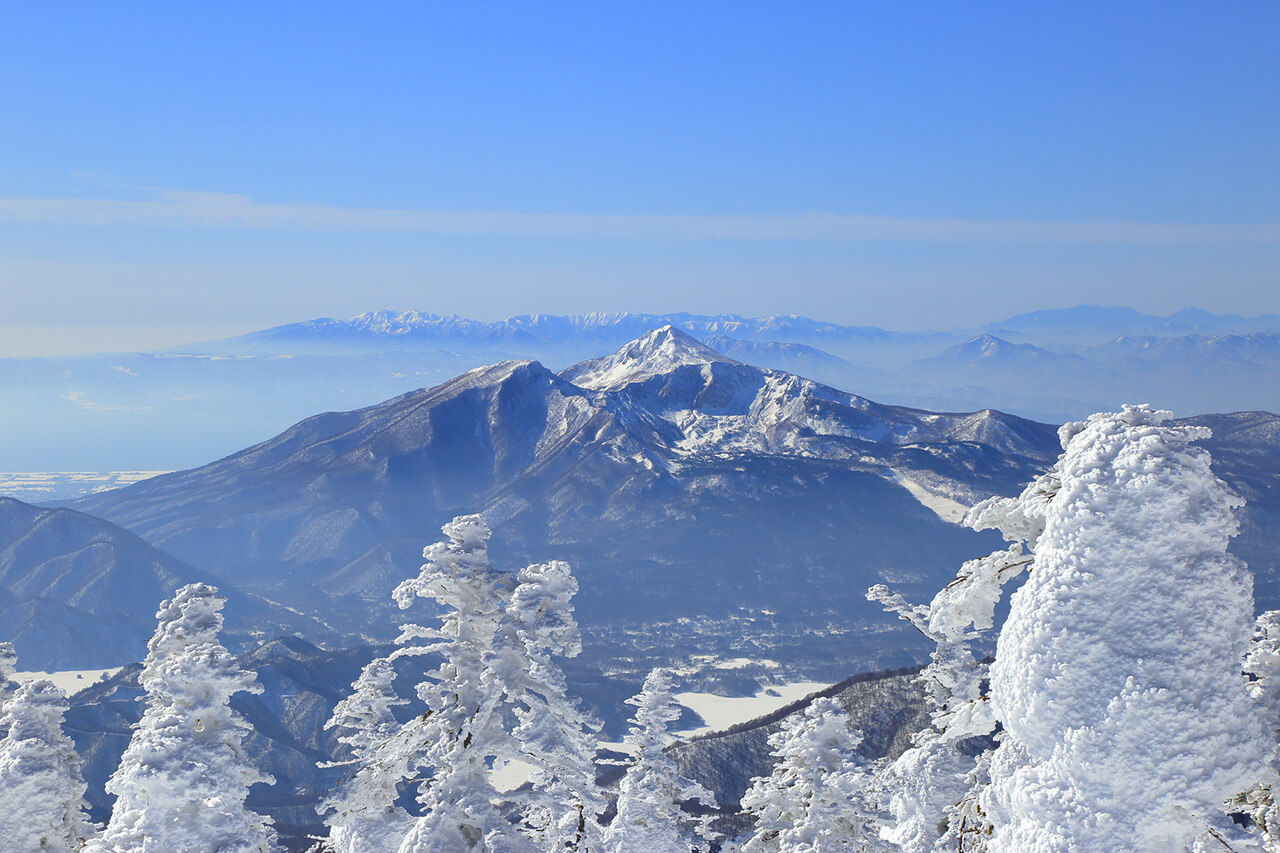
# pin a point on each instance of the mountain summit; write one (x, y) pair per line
(656, 353)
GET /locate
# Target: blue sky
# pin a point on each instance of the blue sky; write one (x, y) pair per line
(170, 171)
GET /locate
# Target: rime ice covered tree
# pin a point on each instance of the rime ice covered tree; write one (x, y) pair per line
(1117, 674)
(364, 817)
(464, 731)
(495, 696)
(553, 732)
(815, 801)
(649, 816)
(42, 803)
(931, 790)
(182, 782)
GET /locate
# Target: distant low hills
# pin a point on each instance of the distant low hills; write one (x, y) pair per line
(77, 592)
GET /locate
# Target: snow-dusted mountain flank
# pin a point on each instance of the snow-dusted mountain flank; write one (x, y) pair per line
(682, 485)
(79, 592)
(679, 482)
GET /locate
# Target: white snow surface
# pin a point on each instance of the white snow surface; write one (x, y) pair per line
(69, 681)
(721, 712)
(1117, 674)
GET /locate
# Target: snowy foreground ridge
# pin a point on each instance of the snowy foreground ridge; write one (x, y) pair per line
(1132, 705)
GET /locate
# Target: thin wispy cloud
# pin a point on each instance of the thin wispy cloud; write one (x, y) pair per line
(173, 208)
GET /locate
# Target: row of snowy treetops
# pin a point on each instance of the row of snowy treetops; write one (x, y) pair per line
(1132, 705)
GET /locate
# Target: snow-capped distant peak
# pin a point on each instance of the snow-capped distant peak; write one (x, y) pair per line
(655, 353)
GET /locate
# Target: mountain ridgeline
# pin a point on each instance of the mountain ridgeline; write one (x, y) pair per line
(706, 505)
(681, 484)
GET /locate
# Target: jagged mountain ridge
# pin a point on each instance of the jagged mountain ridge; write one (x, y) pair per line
(80, 592)
(412, 329)
(679, 482)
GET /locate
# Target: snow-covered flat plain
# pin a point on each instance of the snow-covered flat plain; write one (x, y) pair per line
(721, 712)
(37, 486)
(70, 681)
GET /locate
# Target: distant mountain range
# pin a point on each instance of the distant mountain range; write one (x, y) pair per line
(412, 329)
(176, 409)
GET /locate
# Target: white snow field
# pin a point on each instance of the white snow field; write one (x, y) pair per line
(70, 681)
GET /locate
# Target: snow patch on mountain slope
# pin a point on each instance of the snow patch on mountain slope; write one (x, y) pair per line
(947, 509)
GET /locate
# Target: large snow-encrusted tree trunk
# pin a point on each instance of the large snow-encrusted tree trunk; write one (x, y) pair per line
(42, 804)
(1117, 675)
(649, 816)
(815, 801)
(182, 782)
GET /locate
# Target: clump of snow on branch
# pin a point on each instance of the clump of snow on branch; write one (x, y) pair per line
(649, 816)
(182, 782)
(42, 804)
(815, 799)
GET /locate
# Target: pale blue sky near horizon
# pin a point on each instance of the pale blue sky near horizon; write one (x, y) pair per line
(172, 171)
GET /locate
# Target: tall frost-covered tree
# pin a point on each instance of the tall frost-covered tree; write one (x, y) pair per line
(1262, 666)
(364, 816)
(1117, 675)
(815, 801)
(182, 782)
(496, 696)
(42, 804)
(649, 816)
(555, 735)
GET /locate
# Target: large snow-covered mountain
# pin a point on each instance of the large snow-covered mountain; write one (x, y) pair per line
(680, 483)
(687, 488)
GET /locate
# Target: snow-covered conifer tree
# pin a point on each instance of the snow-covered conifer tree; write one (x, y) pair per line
(42, 803)
(464, 731)
(815, 801)
(182, 782)
(1262, 666)
(496, 696)
(554, 734)
(365, 817)
(649, 816)
(1117, 675)
(932, 789)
